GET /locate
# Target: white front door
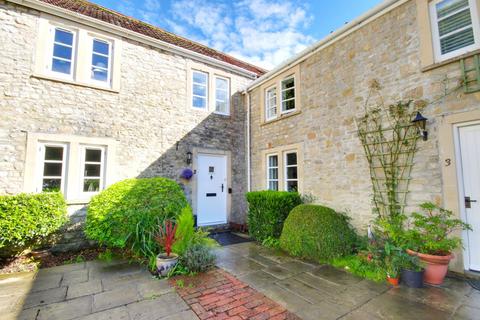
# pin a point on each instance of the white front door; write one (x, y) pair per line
(211, 189)
(469, 137)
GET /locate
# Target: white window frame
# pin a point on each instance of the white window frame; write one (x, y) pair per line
(436, 33)
(73, 62)
(82, 168)
(107, 83)
(286, 166)
(267, 103)
(41, 161)
(207, 84)
(227, 111)
(294, 92)
(269, 179)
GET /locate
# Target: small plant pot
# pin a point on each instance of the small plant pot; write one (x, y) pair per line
(436, 266)
(393, 281)
(165, 263)
(412, 279)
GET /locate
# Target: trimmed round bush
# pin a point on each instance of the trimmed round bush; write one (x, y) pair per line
(317, 233)
(27, 220)
(129, 213)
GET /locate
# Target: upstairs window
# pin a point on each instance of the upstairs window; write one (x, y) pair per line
(92, 164)
(455, 27)
(199, 89)
(271, 103)
(100, 68)
(63, 52)
(272, 172)
(222, 95)
(52, 173)
(288, 94)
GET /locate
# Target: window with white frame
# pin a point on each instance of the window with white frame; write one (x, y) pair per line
(92, 167)
(199, 89)
(52, 167)
(455, 27)
(272, 172)
(63, 52)
(101, 56)
(291, 171)
(271, 103)
(222, 95)
(288, 94)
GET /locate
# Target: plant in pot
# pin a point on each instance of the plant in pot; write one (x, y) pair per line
(411, 271)
(430, 239)
(166, 238)
(392, 261)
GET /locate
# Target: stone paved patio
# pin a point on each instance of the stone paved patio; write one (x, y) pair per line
(118, 290)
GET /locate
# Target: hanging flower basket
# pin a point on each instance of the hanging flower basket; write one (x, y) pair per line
(186, 174)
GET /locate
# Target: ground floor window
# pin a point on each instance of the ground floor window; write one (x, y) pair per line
(291, 171)
(93, 164)
(282, 170)
(272, 172)
(52, 169)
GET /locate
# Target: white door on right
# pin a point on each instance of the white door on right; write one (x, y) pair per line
(469, 137)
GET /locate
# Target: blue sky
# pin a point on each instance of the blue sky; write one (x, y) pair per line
(263, 32)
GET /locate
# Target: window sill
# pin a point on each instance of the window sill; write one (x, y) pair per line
(75, 83)
(281, 117)
(449, 61)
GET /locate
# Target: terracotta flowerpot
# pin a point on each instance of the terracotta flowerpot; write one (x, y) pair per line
(436, 266)
(165, 263)
(392, 281)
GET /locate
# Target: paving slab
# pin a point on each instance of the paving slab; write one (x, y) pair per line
(298, 266)
(184, 315)
(335, 275)
(65, 310)
(280, 272)
(258, 279)
(239, 266)
(115, 298)
(466, 313)
(76, 276)
(160, 307)
(46, 281)
(153, 288)
(264, 261)
(84, 289)
(119, 313)
(45, 297)
(66, 268)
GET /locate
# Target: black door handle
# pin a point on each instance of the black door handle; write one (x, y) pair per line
(222, 187)
(468, 202)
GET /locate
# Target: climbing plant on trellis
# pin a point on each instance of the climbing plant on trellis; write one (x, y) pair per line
(389, 139)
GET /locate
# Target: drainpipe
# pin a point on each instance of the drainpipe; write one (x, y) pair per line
(248, 140)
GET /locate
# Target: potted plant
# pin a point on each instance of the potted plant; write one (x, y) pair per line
(166, 238)
(430, 240)
(392, 261)
(412, 271)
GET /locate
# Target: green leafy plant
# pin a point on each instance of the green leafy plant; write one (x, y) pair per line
(179, 270)
(127, 214)
(431, 230)
(267, 211)
(271, 242)
(360, 266)
(318, 233)
(28, 220)
(198, 258)
(106, 256)
(393, 257)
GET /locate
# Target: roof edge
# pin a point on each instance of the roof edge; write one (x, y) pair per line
(105, 26)
(337, 35)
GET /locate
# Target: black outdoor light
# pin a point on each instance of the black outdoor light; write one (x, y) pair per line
(421, 123)
(189, 157)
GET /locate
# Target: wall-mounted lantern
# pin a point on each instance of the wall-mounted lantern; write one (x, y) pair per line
(421, 124)
(189, 157)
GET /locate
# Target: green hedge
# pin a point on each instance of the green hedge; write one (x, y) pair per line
(267, 211)
(317, 233)
(26, 220)
(128, 213)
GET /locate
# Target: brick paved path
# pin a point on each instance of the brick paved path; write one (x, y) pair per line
(219, 295)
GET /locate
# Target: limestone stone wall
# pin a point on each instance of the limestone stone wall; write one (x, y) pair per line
(334, 86)
(149, 116)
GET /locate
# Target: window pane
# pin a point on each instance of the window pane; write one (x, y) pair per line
(51, 184)
(91, 185)
(92, 170)
(221, 84)
(273, 185)
(288, 94)
(221, 107)
(288, 83)
(292, 186)
(200, 77)
(61, 66)
(52, 170)
(444, 8)
(292, 173)
(100, 47)
(273, 161)
(457, 21)
(221, 95)
(99, 61)
(199, 90)
(457, 41)
(291, 159)
(54, 153)
(288, 105)
(199, 102)
(93, 155)
(273, 174)
(99, 74)
(60, 51)
(64, 37)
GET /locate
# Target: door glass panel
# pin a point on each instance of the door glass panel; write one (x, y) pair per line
(52, 169)
(51, 185)
(93, 155)
(91, 185)
(92, 170)
(54, 153)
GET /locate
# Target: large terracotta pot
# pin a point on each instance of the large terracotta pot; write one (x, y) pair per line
(436, 267)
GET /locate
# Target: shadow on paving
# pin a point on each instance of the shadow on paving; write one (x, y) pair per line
(318, 292)
(90, 290)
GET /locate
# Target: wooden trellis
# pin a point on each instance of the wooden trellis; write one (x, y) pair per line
(389, 139)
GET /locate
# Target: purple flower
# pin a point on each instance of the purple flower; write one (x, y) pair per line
(187, 173)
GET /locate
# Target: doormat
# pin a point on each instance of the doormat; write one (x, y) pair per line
(227, 238)
(474, 283)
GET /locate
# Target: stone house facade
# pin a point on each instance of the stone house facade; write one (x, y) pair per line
(70, 122)
(312, 143)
